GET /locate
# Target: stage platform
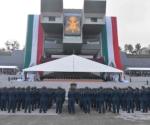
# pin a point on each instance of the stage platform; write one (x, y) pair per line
(75, 80)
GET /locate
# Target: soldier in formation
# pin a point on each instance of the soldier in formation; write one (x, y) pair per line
(72, 95)
(29, 99)
(110, 100)
(60, 99)
(99, 99)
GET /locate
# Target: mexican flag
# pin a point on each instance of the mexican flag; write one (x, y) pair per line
(34, 42)
(110, 46)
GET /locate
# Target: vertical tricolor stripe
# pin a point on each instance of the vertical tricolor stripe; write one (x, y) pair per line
(40, 43)
(28, 47)
(115, 43)
(110, 46)
(104, 45)
(34, 41)
(111, 59)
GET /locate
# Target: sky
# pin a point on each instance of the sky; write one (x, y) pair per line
(133, 19)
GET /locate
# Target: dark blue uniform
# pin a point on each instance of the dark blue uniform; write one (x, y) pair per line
(100, 99)
(12, 100)
(87, 101)
(28, 100)
(60, 98)
(43, 100)
(71, 101)
(4, 99)
(130, 99)
(115, 101)
(144, 100)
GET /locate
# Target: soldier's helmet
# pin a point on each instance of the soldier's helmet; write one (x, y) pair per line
(143, 87)
(28, 88)
(100, 88)
(115, 87)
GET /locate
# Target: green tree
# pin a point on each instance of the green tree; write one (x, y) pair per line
(126, 49)
(2, 49)
(15, 45)
(138, 48)
(12, 45)
(8, 44)
(130, 48)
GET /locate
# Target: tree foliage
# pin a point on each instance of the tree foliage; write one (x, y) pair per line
(12, 45)
(128, 48)
(138, 48)
(2, 49)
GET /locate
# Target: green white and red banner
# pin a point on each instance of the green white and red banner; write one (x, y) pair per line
(34, 42)
(110, 46)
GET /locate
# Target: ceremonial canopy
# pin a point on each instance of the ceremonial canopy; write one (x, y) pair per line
(72, 63)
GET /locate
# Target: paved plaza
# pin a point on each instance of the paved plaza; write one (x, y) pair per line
(80, 118)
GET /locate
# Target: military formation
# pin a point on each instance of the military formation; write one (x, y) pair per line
(100, 99)
(29, 99)
(109, 100)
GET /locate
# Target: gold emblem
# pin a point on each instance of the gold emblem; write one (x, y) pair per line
(72, 25)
